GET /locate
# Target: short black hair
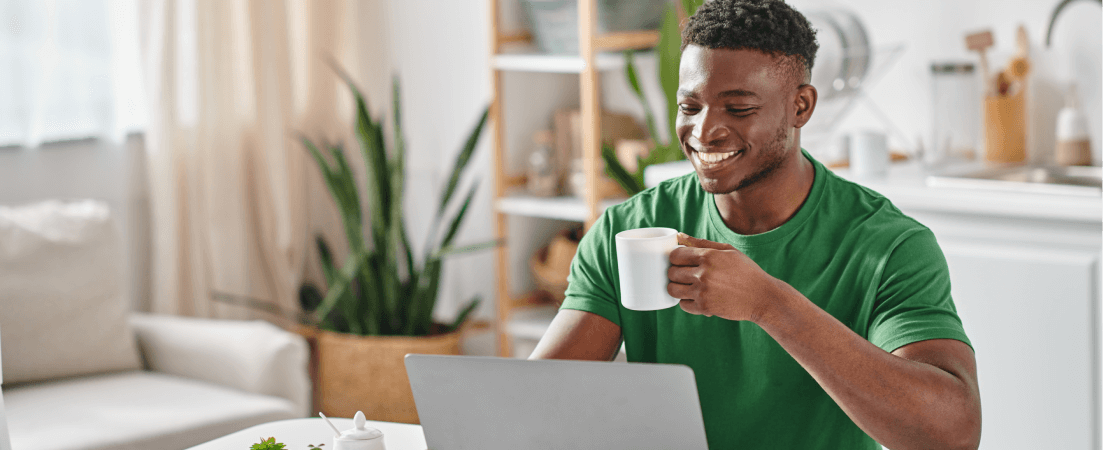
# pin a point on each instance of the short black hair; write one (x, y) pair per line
(768, 26)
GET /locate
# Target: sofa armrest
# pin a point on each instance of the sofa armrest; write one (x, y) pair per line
(253, 356)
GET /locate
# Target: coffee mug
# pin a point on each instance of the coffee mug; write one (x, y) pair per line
(869, 154)
(643, 255)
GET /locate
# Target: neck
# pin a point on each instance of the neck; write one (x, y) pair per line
(770, 202)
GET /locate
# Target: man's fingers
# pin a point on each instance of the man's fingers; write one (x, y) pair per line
(691, 307)
(682, 274)
(690, 241)
(686, 256)
(679, 290)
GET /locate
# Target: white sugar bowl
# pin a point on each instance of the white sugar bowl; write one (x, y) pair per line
(359, 437)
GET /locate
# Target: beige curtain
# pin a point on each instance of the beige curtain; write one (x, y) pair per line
(235, 199)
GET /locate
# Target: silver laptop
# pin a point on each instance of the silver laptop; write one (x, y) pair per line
(485, 403)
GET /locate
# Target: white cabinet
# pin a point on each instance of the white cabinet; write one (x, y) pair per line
(1031, 316)
(1025, 276)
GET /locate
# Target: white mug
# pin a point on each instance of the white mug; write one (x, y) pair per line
(869, 154)
(643, 257)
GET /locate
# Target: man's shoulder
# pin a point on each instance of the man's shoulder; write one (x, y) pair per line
(869, 212)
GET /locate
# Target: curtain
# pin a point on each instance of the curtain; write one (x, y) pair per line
(235, 199)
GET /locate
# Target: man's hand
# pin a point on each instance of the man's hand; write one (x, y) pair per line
(715, 279)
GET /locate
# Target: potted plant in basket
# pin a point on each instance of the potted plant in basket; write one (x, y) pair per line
(379, 302)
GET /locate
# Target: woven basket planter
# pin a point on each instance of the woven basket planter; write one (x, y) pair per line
(368, 373)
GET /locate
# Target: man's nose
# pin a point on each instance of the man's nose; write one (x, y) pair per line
(711, 126)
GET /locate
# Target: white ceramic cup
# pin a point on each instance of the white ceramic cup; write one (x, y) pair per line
(643, 255)
(869, 154)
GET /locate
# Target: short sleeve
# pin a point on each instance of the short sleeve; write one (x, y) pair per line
(591, 285)
(913, 300)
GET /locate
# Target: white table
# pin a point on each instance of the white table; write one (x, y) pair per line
(298, 433)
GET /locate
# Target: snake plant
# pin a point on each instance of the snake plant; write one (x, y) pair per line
(669, 53)
(381, 288)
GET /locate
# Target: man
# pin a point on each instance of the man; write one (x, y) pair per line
(816, 315)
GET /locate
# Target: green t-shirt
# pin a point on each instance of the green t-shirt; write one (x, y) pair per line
(847, 249)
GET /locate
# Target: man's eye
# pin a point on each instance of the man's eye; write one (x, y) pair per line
(687, 109)
(740, 110)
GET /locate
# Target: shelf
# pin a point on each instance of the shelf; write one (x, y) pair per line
(561, 208)
(542, 62)
(530, 322)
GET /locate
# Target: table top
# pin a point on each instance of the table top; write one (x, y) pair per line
(298, 433)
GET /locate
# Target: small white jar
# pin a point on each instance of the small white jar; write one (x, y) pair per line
(359, 437)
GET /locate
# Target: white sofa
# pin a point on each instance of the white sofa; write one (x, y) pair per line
(81, 371)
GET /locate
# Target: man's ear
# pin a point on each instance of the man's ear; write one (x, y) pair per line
(805, 103)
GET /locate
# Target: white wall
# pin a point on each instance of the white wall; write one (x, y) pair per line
(440, 55)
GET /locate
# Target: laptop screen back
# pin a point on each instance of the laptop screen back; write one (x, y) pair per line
(485, 403)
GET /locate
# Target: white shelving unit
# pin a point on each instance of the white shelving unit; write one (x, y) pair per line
(571, 209)
(536, 62)
(598, 53)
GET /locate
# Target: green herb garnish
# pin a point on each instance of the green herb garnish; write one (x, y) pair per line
(269, 444)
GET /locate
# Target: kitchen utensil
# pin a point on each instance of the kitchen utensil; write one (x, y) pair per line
(979, 42)
(331, 425)
(843, 59)
(1005, 127)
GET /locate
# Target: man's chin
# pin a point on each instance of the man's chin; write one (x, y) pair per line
(715, 186)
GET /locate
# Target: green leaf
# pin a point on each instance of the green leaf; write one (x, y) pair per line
(669, 54)
(454, 227)
(422, 315)
(349, 198)
(333, 278)
(340, 285)
(462, 317)
(461, 161)
(618, 173)
(634, 82)
(269, 444)
(690, 6)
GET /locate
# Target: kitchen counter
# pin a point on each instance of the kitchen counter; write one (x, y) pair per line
(906, 186)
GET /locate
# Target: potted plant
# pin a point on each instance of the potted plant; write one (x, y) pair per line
(669, 52)
(379, 302)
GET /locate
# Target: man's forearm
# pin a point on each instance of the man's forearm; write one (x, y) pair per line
(902, 404)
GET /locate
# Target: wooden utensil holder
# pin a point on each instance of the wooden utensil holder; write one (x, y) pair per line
(1005, 128)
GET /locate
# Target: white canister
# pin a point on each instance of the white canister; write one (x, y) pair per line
(360, 437)
(869, 154)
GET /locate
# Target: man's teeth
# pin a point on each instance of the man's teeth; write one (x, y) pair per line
(713, 157)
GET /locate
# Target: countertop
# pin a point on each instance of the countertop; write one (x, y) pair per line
(906, 186)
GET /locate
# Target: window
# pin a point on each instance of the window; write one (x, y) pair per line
(69, 69)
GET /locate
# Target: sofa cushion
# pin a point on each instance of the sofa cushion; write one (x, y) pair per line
(132, 410)
(61, 292)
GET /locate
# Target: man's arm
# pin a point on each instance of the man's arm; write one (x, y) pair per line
(579, 335)
(921, 396)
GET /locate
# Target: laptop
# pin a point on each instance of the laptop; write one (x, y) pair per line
(488, 403)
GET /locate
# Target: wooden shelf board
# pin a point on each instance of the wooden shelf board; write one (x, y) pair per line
(530, 322)
(626, 40)
(561, 208)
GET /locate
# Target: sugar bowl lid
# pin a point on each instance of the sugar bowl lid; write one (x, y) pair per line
(359, 430)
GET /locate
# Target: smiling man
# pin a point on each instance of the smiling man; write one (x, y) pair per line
(815, 314)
